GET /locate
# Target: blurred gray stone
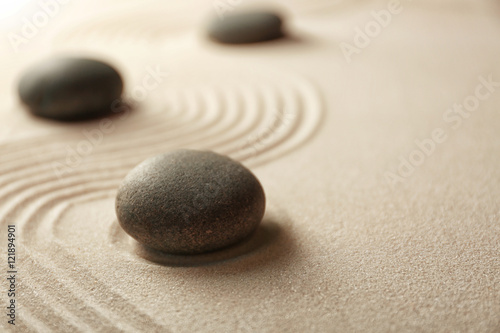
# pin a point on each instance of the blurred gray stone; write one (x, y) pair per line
(70, 89)
(246, 27)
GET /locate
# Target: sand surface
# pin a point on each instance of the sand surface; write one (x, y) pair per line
(349, 243)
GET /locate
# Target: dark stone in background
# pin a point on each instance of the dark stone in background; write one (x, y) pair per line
(70, 89)
(246, 27)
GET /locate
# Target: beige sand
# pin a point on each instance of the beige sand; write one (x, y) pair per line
(340, 248)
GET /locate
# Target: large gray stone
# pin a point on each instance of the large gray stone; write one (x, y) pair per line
(187, 202)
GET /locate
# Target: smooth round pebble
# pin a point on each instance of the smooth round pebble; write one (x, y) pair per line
(189, 202)
(70, 89)
(246, 27)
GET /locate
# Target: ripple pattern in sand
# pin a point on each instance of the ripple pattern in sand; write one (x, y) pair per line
(253, 118)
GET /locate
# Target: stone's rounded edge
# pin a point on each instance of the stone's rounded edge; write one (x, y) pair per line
(246, 27)
(196, 202)
(70, 88)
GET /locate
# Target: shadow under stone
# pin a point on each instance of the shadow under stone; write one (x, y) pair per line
(268, 237)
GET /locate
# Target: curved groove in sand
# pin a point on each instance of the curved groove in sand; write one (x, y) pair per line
(90, 291)
(149, 124)
(70, 281)
(38, 323)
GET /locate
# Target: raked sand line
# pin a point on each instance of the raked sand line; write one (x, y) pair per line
(52, 223)
(306, 110)
(73, 131)
(48, 320)
(81, 290)
(71, 285)
(42, 238)
(138, 123)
